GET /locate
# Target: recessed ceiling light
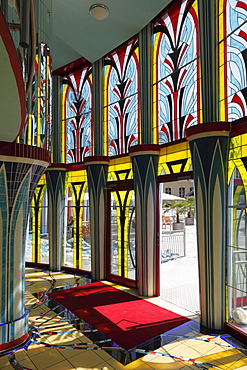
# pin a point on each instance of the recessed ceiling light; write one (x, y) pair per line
(99, 11)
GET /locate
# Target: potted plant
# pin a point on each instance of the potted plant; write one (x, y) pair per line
(178, 206)
(190, 209)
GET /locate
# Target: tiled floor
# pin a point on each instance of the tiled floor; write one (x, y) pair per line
(186, 349)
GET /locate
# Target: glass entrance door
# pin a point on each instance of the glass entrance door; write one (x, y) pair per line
(121, 259)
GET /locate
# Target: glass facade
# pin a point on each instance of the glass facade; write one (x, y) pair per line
(176, 106)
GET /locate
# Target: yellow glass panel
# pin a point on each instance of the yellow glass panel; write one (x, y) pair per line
(242, 170)
(175, 156)
(177, 168)
(122, 176)
(77, 176)
(42, 180)
(231, 167)
(221, 61)
(126, 233)
(188, 166)
(244, 139)
(33, 239)
(63, 117)
(155, 116)
(39, 193)
(155, 51)
(173, 153)
(119, 164)
(120, 200)
(235, 147)
(244, 151)
(112, 176)
(105, 110)
(105, 128)
(160, 168)
(156, 44)
(118, 209)
(166, 168)
(222, 102)
(195, 6)
(221, 26)
(29, 129)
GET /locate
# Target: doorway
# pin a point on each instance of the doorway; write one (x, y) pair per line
(121, 236)
(179, 276)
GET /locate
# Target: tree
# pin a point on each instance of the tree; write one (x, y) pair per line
(190, 206)
(176, 205)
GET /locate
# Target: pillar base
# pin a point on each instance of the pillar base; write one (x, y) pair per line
(14, 343)
(209, 331)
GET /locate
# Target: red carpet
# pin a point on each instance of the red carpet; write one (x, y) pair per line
(126, 319)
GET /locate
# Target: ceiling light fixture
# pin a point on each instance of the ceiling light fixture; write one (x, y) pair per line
(99, 11)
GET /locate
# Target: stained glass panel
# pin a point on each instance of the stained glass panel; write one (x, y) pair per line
(121, 99)
(175, 159)
(236, 13)
(176, 72)
(123, 251)
(177, 106)
(77, 115)
(37, 129)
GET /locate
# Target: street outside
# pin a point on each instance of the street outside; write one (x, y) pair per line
(179, 277)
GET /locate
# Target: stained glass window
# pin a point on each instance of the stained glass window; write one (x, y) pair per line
(176, 89)
(37, 130)
(77, 115)
(121, 98)
(233, 59)
(237, 251)
(77, 241)
(37, 240)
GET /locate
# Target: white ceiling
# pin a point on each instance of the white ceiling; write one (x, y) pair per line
(77, 34)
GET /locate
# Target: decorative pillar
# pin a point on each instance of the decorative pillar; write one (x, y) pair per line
(97, 168)
(145, 52)
(55, 177)
(209, 149)
(145, 165)
(21, 167)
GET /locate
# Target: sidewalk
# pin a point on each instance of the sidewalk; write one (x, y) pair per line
(179, 278)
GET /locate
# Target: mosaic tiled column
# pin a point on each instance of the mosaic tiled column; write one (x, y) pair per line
(145, 165)
(97, 168)
(19, 175)
(209, 149)
(55, 176)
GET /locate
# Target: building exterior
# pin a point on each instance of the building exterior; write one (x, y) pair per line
(179, 188)
(88, 147)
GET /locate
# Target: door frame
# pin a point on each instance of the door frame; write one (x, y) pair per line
(110, 187)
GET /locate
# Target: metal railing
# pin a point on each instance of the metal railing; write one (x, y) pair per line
(172, 245)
